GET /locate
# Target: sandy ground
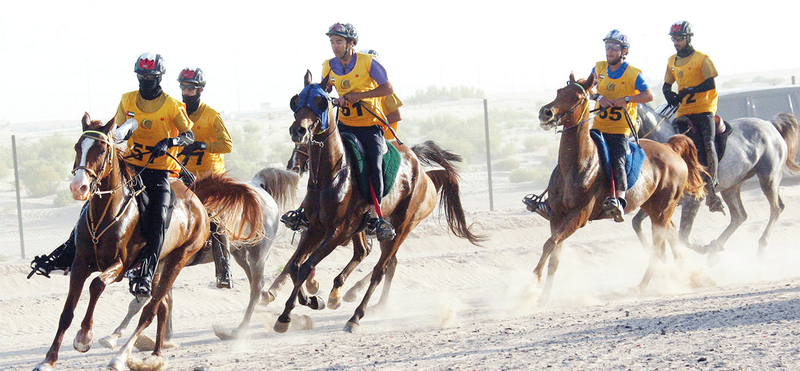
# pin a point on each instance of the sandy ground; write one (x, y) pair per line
(455, 306)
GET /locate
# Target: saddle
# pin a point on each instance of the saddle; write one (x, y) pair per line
(723, 131)
(391, 164)
(633, 160)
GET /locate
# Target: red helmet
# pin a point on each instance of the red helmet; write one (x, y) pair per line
(150, 64)
(345, 30)
(193, 76)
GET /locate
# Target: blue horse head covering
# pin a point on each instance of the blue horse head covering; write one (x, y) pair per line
(306, 99)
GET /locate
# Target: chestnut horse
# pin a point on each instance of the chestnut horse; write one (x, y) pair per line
(579, 185)
(336, 209)
(109, 240)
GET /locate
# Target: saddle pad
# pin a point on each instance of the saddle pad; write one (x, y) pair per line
(633, 161)
(391, 165)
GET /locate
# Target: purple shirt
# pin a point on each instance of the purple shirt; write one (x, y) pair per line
(376, 70)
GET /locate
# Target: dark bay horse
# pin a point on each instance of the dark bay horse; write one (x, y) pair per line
(755, 147)
(579, 185)
(336, 209)
(275, 190)
(109, 240)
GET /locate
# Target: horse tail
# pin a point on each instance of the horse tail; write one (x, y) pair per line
(695, 185)
(233, 205)
(446, 183)
(787, 125)
(280, 184)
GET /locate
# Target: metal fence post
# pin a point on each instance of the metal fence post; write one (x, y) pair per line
(488, 152)
(19, 200)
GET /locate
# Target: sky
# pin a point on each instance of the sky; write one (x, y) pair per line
(63, 58)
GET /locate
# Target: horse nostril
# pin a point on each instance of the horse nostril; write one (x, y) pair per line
(84, 188)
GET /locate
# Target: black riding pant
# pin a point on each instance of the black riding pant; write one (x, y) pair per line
(703, 135)
(618, 149)
(371, 138)
(154, 221)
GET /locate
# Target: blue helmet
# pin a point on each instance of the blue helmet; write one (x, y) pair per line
(617, 37)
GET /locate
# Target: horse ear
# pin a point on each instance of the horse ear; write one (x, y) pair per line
(589, 82)
(307, 78)
(571, 77)
(109, 126)
(321, 103)
(86, 121)
(325, 82)
(294, 103)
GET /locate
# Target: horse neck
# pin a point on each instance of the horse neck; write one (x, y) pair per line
(111, 187)
(326, 155)
(576, 148)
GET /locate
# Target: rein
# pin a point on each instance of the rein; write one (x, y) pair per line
(665, 113)
(382, 120)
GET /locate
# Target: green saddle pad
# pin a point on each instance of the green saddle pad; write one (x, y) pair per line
(391, 165)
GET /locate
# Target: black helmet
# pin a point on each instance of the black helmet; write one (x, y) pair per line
(345, 30)
(150, 64)
(193, 76)
(681, 28)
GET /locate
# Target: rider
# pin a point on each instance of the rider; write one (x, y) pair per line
(361, 81)
(620, 87)
(696, 100)
(390, 105)
(212, 141)
(163, 126)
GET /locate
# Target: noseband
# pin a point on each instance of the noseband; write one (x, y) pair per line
(105, 138)
(571, 110)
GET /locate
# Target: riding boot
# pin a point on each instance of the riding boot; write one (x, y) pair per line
(219, 247)
(295, 220)
(537, 204)
(154, 225)
(707, 134)
(60, 259)
(614, 207)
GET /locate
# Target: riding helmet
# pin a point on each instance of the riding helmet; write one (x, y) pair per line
(194, 76)
(617, 37)
(346, 30)
(681, 28)
(150, 64)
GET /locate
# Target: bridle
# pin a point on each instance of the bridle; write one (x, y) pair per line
(315, 129)
(109, 160)
(583, 102)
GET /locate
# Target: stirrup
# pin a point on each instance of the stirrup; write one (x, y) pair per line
(295, 220)
(140, 286)
(44, 264)
(612, 207)
(225, 281)
(381, 229)
(537, 204)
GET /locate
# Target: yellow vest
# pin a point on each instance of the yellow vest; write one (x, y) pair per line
(358, 80)
(688, 75)
(204, 131)
(153, 127)
(612, 120)
(390, 104)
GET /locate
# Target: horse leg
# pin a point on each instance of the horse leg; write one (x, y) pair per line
(552, 250)
(733, 199)
(76, 280)
(776, 206)
(689, 208)
(352, 294)
(660, 227)
(637, 227)
(270, 295)
(388, 251)
(84, 338)
(134, 307)
(299, 273)
(360, 250)
(253, 265)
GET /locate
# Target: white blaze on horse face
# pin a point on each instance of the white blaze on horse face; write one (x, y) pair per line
(81, 181)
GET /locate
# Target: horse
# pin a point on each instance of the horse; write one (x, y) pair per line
(336, 209)
(108, 237)
(275, 189)
(578, 185)
(755, 147)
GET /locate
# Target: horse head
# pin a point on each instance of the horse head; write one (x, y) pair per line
(94, 157)
(298, 163)
(311, 110)
(568, 99)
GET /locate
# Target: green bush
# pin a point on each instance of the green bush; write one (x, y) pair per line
(507, 164)
(249, 153)
(433, 93)
(538, 175)
(42, 164)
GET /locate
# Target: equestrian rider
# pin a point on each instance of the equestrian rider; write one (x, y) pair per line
(620, 87)
(361, 81)
(206, 154)
(390, 105)
(696, 101)
(164, 125)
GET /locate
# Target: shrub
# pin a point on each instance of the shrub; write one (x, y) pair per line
(42, 164)
(537, 175)
(507, 164)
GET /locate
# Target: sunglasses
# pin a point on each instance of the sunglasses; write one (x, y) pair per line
(189, 87)
(147, 77)
(613, 46)
(678, 38)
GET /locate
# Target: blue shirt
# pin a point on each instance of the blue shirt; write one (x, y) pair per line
(376, 70)
(641, 85)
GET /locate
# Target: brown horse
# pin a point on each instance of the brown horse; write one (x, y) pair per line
(336, 209)
(109, 240)
(578, 185)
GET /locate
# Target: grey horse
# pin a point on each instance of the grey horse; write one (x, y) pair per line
(755, 147)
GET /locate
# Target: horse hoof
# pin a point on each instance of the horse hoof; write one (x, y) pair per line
(267, 297)
(144, 343)
(312, 286)
(351, 295)
(334, 303)
(81, 346)
(43, 367)
(352, 327)
(109, 342)
(281, 327)
(224, 334)
(713, 259)
(116, 364)
(316, 303)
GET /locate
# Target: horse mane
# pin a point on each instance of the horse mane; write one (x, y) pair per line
(273, 180)
(234, 205)
(787, 125)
